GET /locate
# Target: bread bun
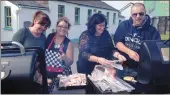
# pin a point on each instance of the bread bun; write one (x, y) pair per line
(129, 78)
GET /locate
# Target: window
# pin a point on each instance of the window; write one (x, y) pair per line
(119, 21)
(114, 18)
(107, 17)
(77, 15)
(99, 11)
(8, 19)
(60, 11)
(89, 14)
(94, 10)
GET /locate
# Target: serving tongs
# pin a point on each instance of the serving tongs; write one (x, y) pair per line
(115, 64)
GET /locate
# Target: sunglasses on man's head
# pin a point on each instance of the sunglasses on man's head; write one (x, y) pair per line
(140, 14)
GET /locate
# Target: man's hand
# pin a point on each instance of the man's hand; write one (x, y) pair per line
(121, 58)
(133, 55)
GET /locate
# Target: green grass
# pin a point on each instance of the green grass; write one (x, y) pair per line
(165, 37)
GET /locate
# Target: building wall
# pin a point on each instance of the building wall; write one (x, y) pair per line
(6, 35)
(26, 14)
(20, 15)
(76, 30)
(122, 19)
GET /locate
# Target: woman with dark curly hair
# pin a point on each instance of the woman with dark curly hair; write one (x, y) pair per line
(95, 45)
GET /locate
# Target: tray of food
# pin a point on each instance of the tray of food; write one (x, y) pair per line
(92, 88)
(106, 83)
(74, 81)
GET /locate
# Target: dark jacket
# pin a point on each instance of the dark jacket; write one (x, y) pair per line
(132, 36)
(91, 45)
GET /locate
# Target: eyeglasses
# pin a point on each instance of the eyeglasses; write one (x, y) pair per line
(140, 14)
(62, 27)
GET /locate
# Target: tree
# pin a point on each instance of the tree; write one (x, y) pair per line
(162, 24)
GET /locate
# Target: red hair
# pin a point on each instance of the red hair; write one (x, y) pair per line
(42, 18)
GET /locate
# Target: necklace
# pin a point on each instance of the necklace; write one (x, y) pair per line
(57, 45)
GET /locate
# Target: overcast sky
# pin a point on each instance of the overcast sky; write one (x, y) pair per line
(120, 4)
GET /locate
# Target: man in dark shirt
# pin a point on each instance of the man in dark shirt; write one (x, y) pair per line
(130, 34)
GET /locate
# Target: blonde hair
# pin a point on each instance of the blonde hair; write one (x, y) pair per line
(65, 19)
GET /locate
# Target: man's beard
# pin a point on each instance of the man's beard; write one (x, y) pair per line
(138, 23)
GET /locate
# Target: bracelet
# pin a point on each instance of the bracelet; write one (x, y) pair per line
(117, 55)
(97, 60)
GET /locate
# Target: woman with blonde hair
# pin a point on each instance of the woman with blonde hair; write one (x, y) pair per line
(59, 52)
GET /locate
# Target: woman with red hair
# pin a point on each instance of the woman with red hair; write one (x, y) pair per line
(33, 35)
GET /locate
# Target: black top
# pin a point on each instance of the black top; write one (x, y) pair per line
(92, 45)
(27, 39)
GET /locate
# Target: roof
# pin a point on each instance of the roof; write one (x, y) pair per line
(126, 6)
(121, 16)
(32, 4)
(97, 4)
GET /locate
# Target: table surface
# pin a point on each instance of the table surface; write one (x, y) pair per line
(139, 88)
(73, 91)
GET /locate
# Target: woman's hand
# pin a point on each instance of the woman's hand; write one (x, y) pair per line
(63, 56)
(66, 59)
(133, 55)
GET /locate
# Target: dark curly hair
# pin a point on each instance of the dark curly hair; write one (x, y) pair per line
(96, 18)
